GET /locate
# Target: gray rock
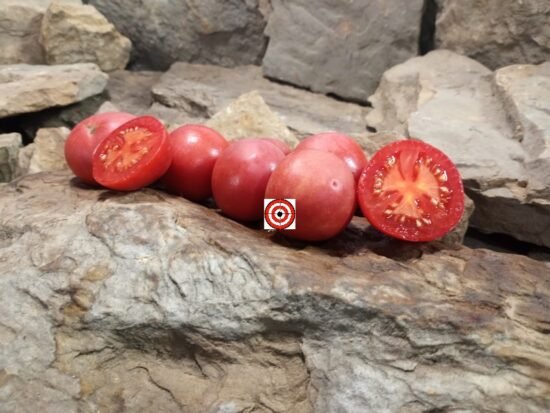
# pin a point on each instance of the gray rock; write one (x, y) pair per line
(340, 47)
(250, 117)
(201, 91)
(146, 302)
(48, 151)
(30, 88)
(131, 91)
(75, 33)
(19, 31)
(492, 125)
(10, 144)
(495, 32)
(222, 32)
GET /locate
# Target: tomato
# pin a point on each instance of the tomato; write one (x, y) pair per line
(84, 138)
(411, 191)
(324, 189)
(133, 156)
(283, 146)
(342, 146)
(240, 177)
(195, 150)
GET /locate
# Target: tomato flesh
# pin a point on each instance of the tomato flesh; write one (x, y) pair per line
(411, 191)
(84, 139)
(283, 146)
(133, 156)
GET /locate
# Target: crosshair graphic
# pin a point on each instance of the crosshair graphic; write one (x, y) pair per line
(280, 214)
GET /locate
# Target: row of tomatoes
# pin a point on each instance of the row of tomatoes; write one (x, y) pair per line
(409, 189)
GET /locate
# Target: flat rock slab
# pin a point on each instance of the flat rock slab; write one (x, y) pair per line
(32, 88)
(340, 47)
(201, 91)
(494, 126)
(139, 301)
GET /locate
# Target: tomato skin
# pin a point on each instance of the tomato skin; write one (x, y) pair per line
(343, 146)
(240, 177)
(324, 189)
(84, 138)
(283, 146)
(441, 219)
(148, 169)
(195, 150)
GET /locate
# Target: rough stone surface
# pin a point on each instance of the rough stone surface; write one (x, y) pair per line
(10, 144)
(31, 88)
(249, 117)
(20, 24)
(221, 32)
(131, 91)
(75, 33)
(48, 151)
(494, 126)
(495, 32)
(143, 301)
(201, 91)
(19, 31)
(340, 47)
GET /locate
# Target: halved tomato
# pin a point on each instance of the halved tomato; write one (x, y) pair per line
(411, 191)
(133, 156)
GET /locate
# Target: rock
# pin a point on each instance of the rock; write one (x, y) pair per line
(250, 117)
(48, 151)
(492, 125)
(340, 47)
(131, 91)
(144, 301)
(74, 33)
(226, 33)
(495, 32)
(24, 159)
(27, 88)
(20, 30)
(201, 91)
(9, 153)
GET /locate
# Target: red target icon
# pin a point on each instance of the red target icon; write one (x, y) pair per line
(280, 214)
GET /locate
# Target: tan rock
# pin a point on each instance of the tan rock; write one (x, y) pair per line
(48, 153)
(10, 145)
(144, 302)
(73, 33)
(30, 88)
(250, 117)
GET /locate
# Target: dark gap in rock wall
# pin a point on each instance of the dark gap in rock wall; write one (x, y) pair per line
(506, 244)
(27, 124)
(426, 42)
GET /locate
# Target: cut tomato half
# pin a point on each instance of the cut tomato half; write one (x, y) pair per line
(133, 156)
(411, 191)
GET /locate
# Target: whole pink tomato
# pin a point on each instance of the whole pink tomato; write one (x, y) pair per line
(195, 150)
(240, 177)
(324, 190)
(342, 146)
